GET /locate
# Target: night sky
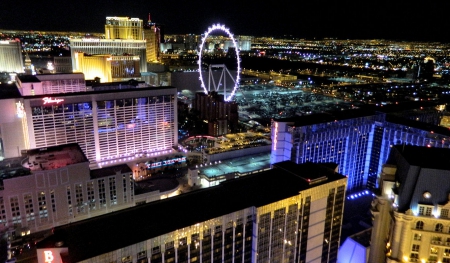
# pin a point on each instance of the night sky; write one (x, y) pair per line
(347, 19)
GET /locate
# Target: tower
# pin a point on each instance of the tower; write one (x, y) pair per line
(153, 36)
(11, 56)
(123, 28)
(294, 218)
(28, 69)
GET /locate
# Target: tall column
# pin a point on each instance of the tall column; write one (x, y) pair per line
(381, 208)
(406, 235)
(396, 237)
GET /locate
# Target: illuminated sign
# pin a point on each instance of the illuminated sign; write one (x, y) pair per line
(48, 100)
(20, 110)
(48, 256)
(151, 165)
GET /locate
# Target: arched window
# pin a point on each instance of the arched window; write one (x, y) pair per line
(439, 227)
(419, 225)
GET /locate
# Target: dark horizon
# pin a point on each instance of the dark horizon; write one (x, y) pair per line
(344, 20)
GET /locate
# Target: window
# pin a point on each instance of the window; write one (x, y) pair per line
(418, 237)
(419, 225)
(439, 227)
(444, 213)
(415, 248)
(52, 197)
(434, 250)
(29, 210)
(414, 255)
(425, 210)
(435, 238)
(112, 191)
(43, 213)
(15, 210)
(421, 209)
(69, 200)
(446, 252)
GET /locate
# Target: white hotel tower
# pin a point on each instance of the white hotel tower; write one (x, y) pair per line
(11, 56)
(112, 123)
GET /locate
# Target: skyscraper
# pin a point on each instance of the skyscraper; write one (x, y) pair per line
(153, 35)
(123, 28)
(291, 213)
(358, 140)
(222, 116)
(110, 123)
(11, 56)
(123, 37)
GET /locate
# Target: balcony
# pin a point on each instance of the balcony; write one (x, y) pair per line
(437, 242)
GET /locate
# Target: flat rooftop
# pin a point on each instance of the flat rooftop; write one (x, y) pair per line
(54, 157)
(92, 237)
(243, 164)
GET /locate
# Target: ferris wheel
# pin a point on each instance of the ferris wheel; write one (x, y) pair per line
(216, 86)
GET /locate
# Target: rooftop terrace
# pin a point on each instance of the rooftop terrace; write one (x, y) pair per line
(53, 157)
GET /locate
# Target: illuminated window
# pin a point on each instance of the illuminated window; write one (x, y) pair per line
(446, 252)
(414, 256)
(418, 237)
(434, 250)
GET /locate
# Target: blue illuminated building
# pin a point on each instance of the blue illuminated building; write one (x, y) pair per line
(358, 140)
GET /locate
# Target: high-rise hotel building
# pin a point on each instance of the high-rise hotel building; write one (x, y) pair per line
(115, 47)
(11, 56)
(291, 213)
(358, 140)
(123, 28)
(110, 125)
(108, 68)
(411, 210)
(53, 186)
(123, 37)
